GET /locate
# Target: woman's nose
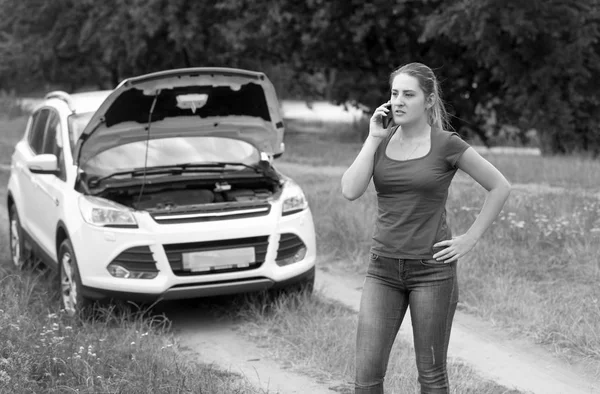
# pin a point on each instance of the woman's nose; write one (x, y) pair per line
(397, 101)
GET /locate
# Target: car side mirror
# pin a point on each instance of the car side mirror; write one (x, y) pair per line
(43, 164)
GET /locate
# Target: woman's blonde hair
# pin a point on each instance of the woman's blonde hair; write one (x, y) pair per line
(436, 115)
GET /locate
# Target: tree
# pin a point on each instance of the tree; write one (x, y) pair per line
(543, 56)
(531, 64)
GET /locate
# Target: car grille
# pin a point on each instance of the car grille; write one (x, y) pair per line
(175, 254)
(289, 244)
(139, 258)
(218, 212)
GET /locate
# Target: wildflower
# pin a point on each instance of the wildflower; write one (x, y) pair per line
(4, 377)
(68, 328)
(144, 334)
(519, 224)
(61, 374)
(52, 315)
(133, 343)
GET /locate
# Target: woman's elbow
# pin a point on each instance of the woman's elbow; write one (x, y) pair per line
(350, 197)
(505, 188)
(349, 193)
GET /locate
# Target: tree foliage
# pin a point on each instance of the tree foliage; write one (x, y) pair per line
(544, 57)
(531, 64)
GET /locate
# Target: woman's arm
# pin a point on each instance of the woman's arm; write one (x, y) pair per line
(484, 173)
(357, 177)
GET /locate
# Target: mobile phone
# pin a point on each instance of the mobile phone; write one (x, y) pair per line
(388, 119)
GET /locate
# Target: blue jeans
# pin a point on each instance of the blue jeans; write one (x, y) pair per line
(391, 285)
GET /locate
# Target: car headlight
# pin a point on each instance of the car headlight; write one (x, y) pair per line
(293, 199)
(104, 213)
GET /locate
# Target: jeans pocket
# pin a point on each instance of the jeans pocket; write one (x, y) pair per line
(433, 263)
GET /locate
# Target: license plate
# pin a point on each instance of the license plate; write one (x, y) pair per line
(210, 260)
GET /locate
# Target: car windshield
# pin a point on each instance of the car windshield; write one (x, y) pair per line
(77, 123)
(172, 151)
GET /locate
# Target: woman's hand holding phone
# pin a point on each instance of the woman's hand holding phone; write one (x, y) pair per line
(377, 125)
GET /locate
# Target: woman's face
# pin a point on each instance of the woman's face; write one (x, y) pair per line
(409, 104)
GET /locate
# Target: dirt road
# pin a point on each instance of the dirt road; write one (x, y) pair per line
(214, 339)
(514, 363)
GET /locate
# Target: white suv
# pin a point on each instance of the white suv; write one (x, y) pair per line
(163, 188)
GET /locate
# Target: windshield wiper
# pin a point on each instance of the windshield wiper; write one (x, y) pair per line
(181, 168)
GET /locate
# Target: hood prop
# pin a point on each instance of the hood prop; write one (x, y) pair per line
(147, 143)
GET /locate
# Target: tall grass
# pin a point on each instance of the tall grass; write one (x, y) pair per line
(317, 337)
(44, 351)
(536, 271)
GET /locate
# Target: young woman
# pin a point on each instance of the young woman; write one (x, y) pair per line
(414, 257)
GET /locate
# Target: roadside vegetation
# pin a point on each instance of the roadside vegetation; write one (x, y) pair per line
(45, 351)
(535, 272)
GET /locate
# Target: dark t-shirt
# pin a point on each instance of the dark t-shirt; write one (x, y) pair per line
(411, 197)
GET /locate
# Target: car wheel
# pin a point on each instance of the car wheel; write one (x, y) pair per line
(17, 244)
(72, 300)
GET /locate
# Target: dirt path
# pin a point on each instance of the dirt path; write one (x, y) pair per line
(215, 340)
(514, 363)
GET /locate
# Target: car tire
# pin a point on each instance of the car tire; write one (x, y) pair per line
(71, 297)
(17, 243)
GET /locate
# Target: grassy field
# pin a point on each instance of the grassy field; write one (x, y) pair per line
(535, 272)
(44, 351)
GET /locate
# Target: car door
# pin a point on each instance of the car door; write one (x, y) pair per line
(30, 193)
(51, 187)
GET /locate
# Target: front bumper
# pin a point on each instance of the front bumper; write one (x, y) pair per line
(161, 245)
(202, 290)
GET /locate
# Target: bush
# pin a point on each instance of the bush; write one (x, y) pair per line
(10, 105)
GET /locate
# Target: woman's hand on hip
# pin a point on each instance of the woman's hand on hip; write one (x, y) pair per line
(454, 248)
(376, 129)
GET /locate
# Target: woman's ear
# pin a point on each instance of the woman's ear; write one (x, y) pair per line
(430, 102)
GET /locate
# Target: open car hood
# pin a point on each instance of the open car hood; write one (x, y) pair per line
(186, 102)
